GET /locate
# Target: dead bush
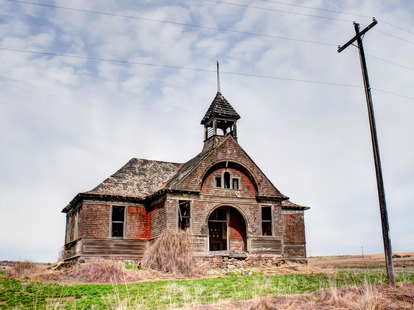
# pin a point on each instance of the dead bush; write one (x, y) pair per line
(23, 269)
(171, 253)
(102, 271)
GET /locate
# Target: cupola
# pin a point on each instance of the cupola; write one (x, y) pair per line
(220, 118)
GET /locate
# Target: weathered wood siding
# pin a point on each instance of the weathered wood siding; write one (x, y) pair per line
(114, 247)
(265, 245)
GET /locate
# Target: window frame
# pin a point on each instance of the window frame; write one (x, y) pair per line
(238, 182)
(232, 177)
(267, 221)
(124, 222)
(216, 176)
(189, 216)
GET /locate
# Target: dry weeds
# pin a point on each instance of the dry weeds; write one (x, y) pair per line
(368, 297)
(171, 253)
(24, 269)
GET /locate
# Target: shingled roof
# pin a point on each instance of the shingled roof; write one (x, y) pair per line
(138, 178)
(220, 108)
(287, 204)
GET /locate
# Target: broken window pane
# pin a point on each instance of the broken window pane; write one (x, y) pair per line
(117, 229)
(266, 213)
(267, 228)
(184, 214)
(118, 214)
(267, 221)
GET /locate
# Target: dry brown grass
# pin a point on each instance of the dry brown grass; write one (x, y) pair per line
(24, 269)
(368, 297)
(171, 253)
(103, 271)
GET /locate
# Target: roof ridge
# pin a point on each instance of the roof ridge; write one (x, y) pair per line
(154, 160)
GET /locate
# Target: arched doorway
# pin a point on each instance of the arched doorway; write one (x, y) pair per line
(227, 230)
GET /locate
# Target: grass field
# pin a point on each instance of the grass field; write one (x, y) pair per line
(161, 294)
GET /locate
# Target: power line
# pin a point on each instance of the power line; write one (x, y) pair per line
(276, 10)
(210, 28)
(315, 8)
(390, 62)
(395, 37)
(397, 27)
(133, 17)
(125, 62)
(338, 12)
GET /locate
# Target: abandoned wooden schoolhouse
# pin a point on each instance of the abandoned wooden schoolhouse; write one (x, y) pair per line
(221, 196)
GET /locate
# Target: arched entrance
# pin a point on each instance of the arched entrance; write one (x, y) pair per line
(227, 230)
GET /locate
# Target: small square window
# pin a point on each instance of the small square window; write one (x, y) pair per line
(235, 184)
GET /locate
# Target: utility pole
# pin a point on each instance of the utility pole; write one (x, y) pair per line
(375, 148)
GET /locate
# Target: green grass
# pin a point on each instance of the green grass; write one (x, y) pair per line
(166, 293)
(134, 267)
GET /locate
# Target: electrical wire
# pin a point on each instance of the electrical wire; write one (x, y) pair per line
(395, 37)
(133, 17)
(247, 6)
(126, 62)
(339, 12)
(315, 8)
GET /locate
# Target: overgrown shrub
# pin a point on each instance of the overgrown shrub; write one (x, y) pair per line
(171, 253)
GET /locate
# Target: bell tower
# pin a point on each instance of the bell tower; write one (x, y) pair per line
(220, 118)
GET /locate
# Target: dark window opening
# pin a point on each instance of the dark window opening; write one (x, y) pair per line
(218, 215)
(184, 214)
(218, 180)
(235, 184)
(267, 221)
(118, 218)
(226, 180)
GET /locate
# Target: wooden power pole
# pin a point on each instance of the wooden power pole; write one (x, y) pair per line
(375, 148)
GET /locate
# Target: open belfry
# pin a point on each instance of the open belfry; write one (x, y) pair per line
(221, 196)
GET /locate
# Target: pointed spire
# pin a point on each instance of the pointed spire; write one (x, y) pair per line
(218, 78)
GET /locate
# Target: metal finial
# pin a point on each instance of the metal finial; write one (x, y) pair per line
(218, 77)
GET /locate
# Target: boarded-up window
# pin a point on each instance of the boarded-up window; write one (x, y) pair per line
(118, 219)
(266, 220)
(184, 214)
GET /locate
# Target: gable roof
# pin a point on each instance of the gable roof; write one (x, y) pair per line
(218, 152)
(137, 178)
(220, 108)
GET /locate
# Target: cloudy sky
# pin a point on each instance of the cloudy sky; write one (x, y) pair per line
(87, 85)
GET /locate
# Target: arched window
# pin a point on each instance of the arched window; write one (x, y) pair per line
(226, 179)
